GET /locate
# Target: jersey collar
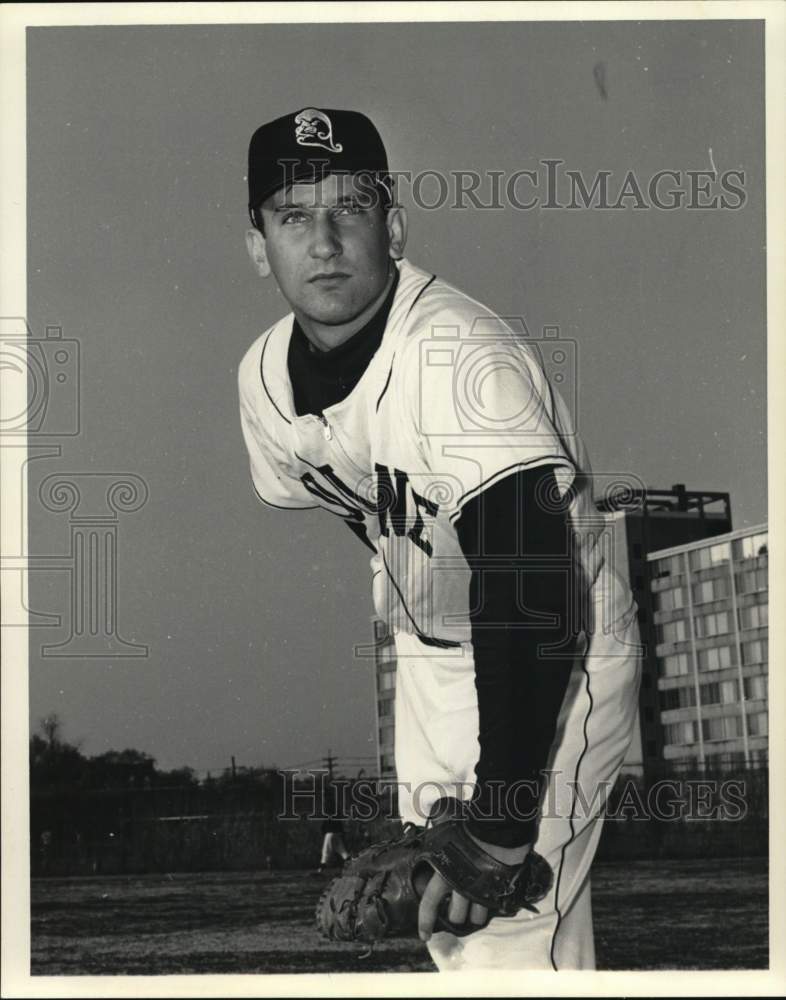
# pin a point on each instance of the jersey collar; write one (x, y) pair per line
(273, 361)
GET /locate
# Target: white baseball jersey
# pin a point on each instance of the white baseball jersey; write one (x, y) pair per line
(452, 401)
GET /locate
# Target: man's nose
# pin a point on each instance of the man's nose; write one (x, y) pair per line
(325, 242)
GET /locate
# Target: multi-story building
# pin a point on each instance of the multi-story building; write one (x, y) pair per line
(385, 672)
(710, 602)
(644, 521)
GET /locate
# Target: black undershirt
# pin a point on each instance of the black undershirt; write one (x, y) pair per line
(322, 378)
(520, 691)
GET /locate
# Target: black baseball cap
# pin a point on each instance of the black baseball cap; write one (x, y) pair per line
(308, 145)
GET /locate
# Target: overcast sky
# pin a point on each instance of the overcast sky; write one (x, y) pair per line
(136, 152)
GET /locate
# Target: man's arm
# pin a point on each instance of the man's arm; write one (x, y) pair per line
(516, 537)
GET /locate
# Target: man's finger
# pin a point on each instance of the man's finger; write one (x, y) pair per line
(478, 914)
(436, 889)
(458, 909)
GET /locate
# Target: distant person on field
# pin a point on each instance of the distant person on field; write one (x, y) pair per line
(333, 844)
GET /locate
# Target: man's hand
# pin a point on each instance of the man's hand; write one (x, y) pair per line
(461, 909)
(403, 886)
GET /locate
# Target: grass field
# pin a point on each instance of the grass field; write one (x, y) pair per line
(648, 915)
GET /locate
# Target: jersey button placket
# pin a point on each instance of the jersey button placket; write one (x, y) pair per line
(327, 430)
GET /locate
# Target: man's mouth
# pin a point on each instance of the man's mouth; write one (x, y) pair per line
(328, 277)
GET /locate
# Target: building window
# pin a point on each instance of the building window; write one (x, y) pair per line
(710, 590)
(753, 545)
(729, 692)
(672, 631)
(670, 600)
(727, 727)
(665, 567)
(717, 658)
(751, 581)
(755, 616)
(709, 625)
(684, 697)
(702, 592)
(710, 694)
(680, 732)
(674, 666)
(387, 680)
(755, 687)
(719, 553)
(757, 724)
(385, 707)
(700, 558)
(754, 652)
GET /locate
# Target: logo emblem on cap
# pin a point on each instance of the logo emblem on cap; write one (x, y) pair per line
(314, 128)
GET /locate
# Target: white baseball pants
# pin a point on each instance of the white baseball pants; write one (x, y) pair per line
(436, 750)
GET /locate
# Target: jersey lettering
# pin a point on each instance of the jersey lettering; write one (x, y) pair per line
(396, 503)
(350, 511)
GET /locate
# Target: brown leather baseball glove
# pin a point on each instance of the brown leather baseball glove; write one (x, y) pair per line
(378, 893)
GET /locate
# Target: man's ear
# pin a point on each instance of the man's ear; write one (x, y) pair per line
(257, 251)
(397, 231)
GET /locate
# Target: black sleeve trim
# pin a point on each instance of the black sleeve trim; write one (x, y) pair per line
(422, 291)
(279, 506)
(387, 382)
(566, 845)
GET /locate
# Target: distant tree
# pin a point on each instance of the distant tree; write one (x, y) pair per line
(121, 769)
(54, 763)
(178, 776)
(51, 727)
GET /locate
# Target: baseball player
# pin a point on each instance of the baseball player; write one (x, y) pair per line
(424, 422)
(333, 844)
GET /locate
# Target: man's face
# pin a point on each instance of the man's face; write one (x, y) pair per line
(327, 247)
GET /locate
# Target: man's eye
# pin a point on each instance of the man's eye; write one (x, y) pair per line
(351, 209)
(292, 217)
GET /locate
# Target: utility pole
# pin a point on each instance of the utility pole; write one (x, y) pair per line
(330, 761)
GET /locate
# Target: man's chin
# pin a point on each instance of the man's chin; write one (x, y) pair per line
(333, 313)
